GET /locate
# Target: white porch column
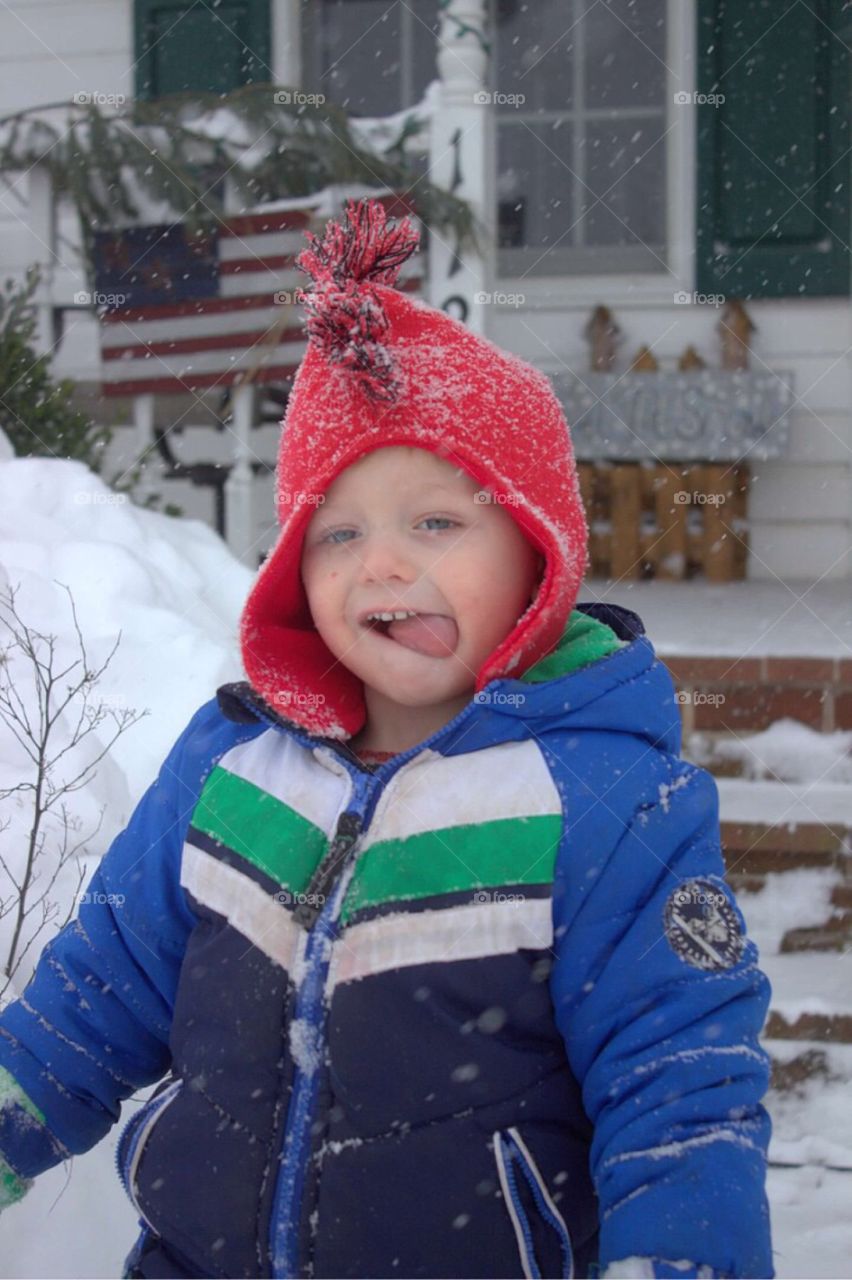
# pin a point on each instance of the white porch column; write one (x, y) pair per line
(41, 219)
(239, 518)
(146, 453)
(462, 160)
(240, 532)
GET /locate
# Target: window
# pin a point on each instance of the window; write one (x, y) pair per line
(211, 46)
(580, 93)
(372, 57)
(581, 161)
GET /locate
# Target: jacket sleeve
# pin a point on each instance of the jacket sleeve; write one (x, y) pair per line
(92, 1024)
(660, 1003)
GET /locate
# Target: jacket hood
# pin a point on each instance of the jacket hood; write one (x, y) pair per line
(603, 675)
(624, 689)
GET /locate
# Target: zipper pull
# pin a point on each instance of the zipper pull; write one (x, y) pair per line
(322, 881)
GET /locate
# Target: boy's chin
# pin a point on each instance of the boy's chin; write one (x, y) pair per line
(419, 694)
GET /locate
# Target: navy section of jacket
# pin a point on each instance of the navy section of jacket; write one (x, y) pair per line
(611, 1110)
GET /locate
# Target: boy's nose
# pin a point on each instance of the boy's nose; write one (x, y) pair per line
(383, 558)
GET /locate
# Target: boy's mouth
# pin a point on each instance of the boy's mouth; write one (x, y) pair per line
(432, 634)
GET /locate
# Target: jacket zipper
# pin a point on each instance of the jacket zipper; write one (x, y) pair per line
(308, 910)
(290, 1183)
(321, 909)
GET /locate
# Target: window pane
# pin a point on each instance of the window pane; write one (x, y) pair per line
(625, 50)
(372, 57)
(533, 51)
(534, 185)
(627, 172)
(361, 55)
(425, 23)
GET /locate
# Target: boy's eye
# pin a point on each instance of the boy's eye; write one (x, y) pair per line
(443, 520)
(337, 535)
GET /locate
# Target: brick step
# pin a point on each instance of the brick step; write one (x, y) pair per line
(841, 896)
(739, 695)
(832, 934)
(811, 999)
(830, 1028)
(788, 1073)
(753, 849)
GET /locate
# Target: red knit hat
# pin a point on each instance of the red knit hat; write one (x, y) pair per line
(384, 369)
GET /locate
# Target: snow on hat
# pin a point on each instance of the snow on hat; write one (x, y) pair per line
(383, 369)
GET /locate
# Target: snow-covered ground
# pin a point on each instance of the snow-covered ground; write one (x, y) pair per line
(741, 619)
(812, 1124)
(174, 592)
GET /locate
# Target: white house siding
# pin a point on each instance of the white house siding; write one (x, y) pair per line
(801, 507)
(52, 49)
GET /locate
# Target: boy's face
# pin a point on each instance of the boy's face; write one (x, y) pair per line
(401, 529)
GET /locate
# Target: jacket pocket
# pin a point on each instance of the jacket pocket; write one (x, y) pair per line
(134, 1139)
(520, 1181)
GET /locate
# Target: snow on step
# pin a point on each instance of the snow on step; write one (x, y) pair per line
(809, 983)
(812, 1121)
(785, 804)
(760, 618)
(788, 900)
(811, 1234)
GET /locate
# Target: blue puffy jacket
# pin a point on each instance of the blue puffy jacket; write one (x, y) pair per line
(486, 1009)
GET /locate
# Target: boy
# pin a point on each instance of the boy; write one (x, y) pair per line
(424, 924)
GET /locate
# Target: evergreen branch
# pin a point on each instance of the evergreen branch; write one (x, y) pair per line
(175, 151)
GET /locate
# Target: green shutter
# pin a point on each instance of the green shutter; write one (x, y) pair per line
(212, 47)
(773, 163)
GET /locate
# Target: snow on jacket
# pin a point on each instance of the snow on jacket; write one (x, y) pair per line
(486, 1010)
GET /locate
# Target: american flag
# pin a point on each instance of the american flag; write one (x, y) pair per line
(186, 314)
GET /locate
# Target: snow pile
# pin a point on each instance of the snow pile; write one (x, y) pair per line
(167, 589)
(174, 592)
(788, 751)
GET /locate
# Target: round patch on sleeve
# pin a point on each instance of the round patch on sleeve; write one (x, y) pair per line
(702, 927)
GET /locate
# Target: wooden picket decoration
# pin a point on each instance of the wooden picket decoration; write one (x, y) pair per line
(666, 520)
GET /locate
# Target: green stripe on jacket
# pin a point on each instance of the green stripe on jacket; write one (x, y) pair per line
(257, 826)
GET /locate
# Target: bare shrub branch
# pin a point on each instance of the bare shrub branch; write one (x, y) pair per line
(43, 725)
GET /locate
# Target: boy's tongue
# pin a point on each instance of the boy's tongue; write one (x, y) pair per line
(429, 633)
